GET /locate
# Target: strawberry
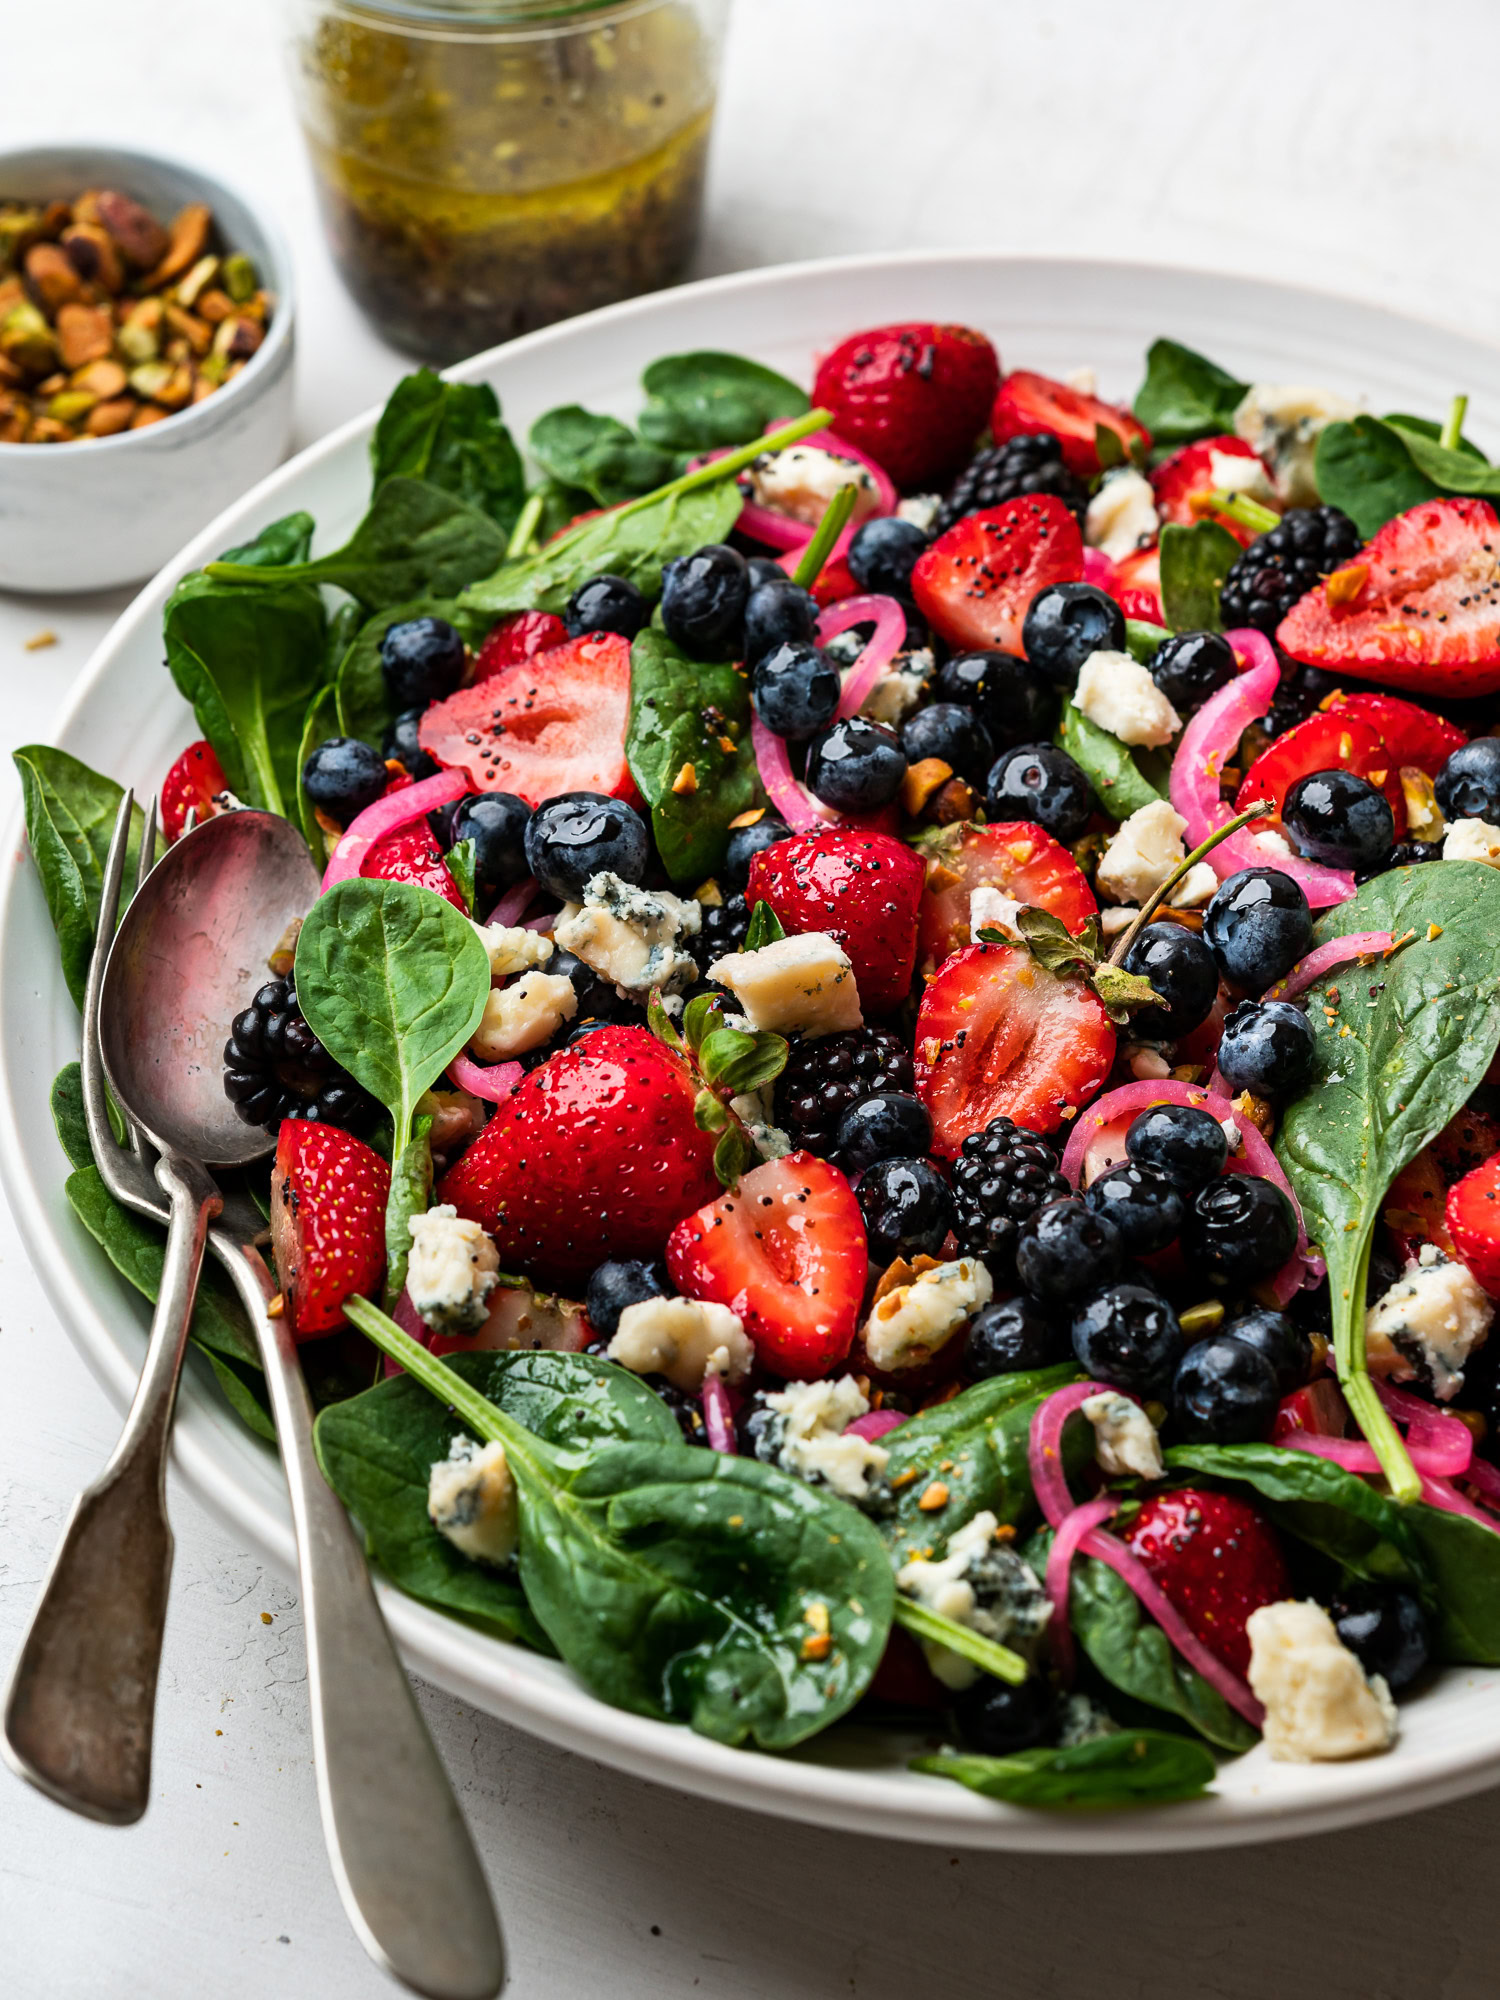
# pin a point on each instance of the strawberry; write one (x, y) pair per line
(833, 582)
(999, 1034)
(595, 1154)
(973, 586)
(548, 724)
(193, 782)
(914, 397)
(1414, 1206)
(328, 1196)
(519, 637)
(786, 1251)
(1319, 1408)
(411, 854)
(1419, 607)
(1216, 1559)
(860, 887)
(1014, 856)
(1183, 482)
(1465, 1142)
(1138, 579)
(1329, 741)
(1474, 1222)
(1415, 737)
(1029, 402)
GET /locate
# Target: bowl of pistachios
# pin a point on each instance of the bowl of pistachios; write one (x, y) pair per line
(146, 337)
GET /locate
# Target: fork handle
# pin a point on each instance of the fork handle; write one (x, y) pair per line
(403, 1860)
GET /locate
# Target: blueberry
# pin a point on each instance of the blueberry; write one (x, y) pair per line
(578, 834)
(496, 822)
(996, 1719)
(1257, 927)
(1468, 786)
(1037, 781)
(400, 742)
(703, 600)
(1180, 1141)
(882, 555)
(1284, 1344)
(908, 1209)
(887, 1126)
(1181, 968)
(343, 776)
(953, 733)
(1013, 1337)
(1128, 1335)
(422, 660)
(778, 613)
(1239, 1228)
(1267, 1046)
(1067, 1248)
(1224, 1392)
(1190, 666)
(747, 841)
(856, 766)
(1018, 704)
(1339, 818)
(1065, 623)
(796, 689)
(1141, 1202)
(764, 569)
(621, 1282)
(1385, 1628)
(606, 604)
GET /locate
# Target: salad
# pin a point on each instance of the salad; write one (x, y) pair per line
(889, 1106)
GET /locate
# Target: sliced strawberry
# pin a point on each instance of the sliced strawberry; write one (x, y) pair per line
(411, 854)
(594, 1155)
(328, 1197)
(1138, 577)
(1014, 856)
(548, 724)
(521, 1316)
(1183, 482)
(786, 1251)
(860, 887)
(1319, 1408)
(1419, 607)
(1414, 1206)
(914, 397)
(1474, 1222)
(997, 1034)
(973, 586)
(1329, 741)
(193, 782)
(520, 637)
(1414, 736)
(1216, 1559)
(1029, 402)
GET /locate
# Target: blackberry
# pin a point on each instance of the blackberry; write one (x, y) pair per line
(1302, 691)
(1002, 1176)
(824, 1079)
(275, 1067)
(723, 931)
(1405, 854)
(1279, 567)
(1029, 464)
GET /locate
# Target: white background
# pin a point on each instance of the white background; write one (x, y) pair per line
(1355, 148)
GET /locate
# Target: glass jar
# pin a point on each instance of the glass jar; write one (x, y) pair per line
(483, 170)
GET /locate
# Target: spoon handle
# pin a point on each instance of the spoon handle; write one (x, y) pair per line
(402, 1857)
(81, 1701)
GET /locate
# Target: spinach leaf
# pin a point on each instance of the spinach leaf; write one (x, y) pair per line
(70, 819)
(1184, 395)
(599, 455)
(66, 1104)
(697, 402)
(1134, 1767)
(1427, 428)
(560, 505)
(1462, 471)
(1194, 564)
(1365, 467)
(450, 435)
(682, 714)
(318, 724)
(1143, 641)
(364, 703)
(244, 1390)
(285, 541)
(411, 1190)
(1119, 783)
(1465, 1562)
(1406, 1045)
(343, 630)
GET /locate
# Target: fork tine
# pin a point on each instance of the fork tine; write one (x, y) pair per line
(95, 1097)
(146, 859)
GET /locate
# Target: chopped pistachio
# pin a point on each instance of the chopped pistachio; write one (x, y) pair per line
(141, 239)
(93, 255)
(50, 274)
(84, 333)
(107, 418)
(19, 228)
(71, 405)
(26, 338)
(197, 279)
(239, 277)
(150, 378)
(102, 379)
(196, 332)
(187, 243)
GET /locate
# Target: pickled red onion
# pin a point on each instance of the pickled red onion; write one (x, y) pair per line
(1439, 1462)
(718, 1418)
(1044, 1449)
(793, 801)
(880, 648)
(514, 904)
(874, 1424)
(397, 809)
(1485, 1479)
(1429, 1429)
(1310, 969)
(780, 531)
(1438, 1493)
(1073, 1530)
(1101, 572)
(494, 1082)
(1155, 1602)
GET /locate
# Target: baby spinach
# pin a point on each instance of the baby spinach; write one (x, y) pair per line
(1119, 783)
(1194, 564)
(1407, 1042)
(596, 454)
(285, 541)
(70, 820)
(450, 435)
(1365, 467)
(1185, 396)
(411, 1191)
(1465, 1562)
(699, 402)
(1146, 1767)
(684, 713)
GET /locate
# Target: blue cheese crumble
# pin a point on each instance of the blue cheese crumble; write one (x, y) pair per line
(684, 1339)
(1427, 1325)
(1125, 1442)
(809, 1437)
(631, 936)
(452, 1269)
(471, 1499)
(981, 1584)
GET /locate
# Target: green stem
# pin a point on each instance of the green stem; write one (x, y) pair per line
(1453, 429)
(815, 552)
(1154, 901)
(1352, 1363)
(923, 1623)
(525, 528)
(478, 1413)
(1249, 513)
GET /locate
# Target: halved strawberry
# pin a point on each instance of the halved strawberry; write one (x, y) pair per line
(1419, 607)
(1138, 577)
(521, 1316)
(913, 396)
(520, 637)
(973, 586)
(1319, 1408)
(1011, 855)
(860, 887)
(1182, 483)
(1216, 1559)
(1474, 1222)
(1332, 740)
(999, 1034)
(595, 1154)
(411, 854)
(193, 783)
(328, 1197)
(552, 723)
(1414, 736)
(786, 1251)
(1028, 402)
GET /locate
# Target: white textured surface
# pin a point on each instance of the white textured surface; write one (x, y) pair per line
(1287, 140)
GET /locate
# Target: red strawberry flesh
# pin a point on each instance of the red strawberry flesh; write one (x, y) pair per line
(862, 888)
(914, 396)
(1474, 1222)
(974, 585)
(192, 784)
(328, 1197)
(1014, 856)
(1216, 1559)
(1028, 403)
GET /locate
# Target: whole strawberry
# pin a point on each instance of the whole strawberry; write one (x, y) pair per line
(914, 397)
(865, 889)
(1216, 1559)
(411, 854)
(594, 1155)
(328, 1197)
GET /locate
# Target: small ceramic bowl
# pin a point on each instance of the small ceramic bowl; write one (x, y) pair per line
(95, 514)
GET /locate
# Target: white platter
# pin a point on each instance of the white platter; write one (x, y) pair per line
(125, 717)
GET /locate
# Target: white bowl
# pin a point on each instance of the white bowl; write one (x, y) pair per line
(125, 717)
(90, 516)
